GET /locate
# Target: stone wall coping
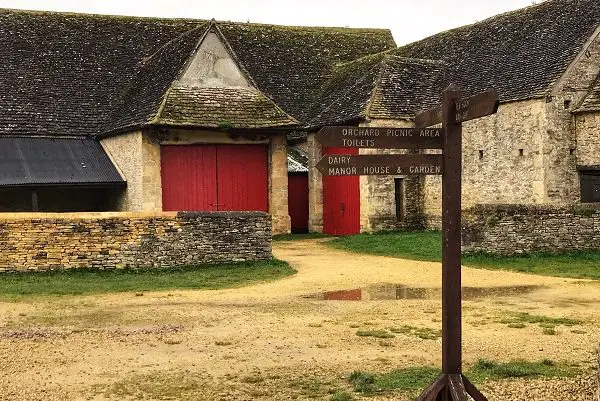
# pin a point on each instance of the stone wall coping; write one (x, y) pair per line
(532, 208)
(122, 215)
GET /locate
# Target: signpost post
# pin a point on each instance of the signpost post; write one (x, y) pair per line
(451, 385)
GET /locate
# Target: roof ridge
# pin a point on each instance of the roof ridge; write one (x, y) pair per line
(418, 60)
(143, 61)
(376, 83)
(179, 19)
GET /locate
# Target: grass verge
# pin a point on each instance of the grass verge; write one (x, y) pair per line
(426, 246)
(15, 286)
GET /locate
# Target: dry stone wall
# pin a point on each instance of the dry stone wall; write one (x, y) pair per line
(121, 240)
(513, 229)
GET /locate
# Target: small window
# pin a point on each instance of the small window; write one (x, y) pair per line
(590, 186)
(572, 151)
(567, 104)
(481, 155)
(399, 195)
(521, 152)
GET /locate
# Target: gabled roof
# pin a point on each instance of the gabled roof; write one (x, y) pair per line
(380, 86)
(55, 161)
(75, 74)
(520, 53)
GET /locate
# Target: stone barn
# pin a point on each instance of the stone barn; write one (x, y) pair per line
(125, 114)
(541, 148)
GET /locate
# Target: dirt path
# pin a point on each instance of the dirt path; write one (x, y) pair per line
(282, 340)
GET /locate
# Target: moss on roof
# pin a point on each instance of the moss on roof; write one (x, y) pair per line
(81, 74)
(222, 107)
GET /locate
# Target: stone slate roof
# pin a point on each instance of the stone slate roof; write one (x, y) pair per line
(382, 86)
(222, 107)
(520, 53)
(74, 74)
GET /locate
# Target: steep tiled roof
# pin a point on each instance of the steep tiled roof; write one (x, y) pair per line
(344, 98)
(63, 73)
(407, 86)
(520, 53)
(222, 107)
(87, 74)
(291, 64)
(140, 100)
(380, 86)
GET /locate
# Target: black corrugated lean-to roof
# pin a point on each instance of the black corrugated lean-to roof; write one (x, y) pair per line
(55, 161)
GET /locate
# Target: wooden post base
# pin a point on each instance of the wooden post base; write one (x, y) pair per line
(451, 387)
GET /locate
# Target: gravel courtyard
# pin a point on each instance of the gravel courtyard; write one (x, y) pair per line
(293, 338)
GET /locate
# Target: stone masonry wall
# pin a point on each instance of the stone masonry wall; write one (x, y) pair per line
(588, 139)
(503, 160)
(119, 240)
(377, 193)
(125, 151)
(513, 229)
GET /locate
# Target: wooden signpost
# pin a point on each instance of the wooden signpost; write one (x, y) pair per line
(451, 385)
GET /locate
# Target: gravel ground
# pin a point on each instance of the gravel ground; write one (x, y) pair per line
(283, 340)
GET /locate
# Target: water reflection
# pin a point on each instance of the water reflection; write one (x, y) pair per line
(399, 291)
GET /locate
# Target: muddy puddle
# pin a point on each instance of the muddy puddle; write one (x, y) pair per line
(392, 292)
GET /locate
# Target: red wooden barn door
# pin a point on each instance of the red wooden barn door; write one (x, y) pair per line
(215, 177)
(298, 202)
(188, 177)
(341, 200)
(242, 177)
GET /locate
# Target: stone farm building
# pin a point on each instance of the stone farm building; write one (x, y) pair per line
(541, 148)
(103, 113)
(107, 113)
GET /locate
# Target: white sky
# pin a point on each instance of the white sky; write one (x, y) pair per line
(409, 20)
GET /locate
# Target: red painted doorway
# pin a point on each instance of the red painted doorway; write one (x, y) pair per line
(341, 200)
(214, 177)
(298, 202)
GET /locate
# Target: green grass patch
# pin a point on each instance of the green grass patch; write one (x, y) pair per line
(406, 380)
(298, 237)
(412, 380)
(16, 286)
(427, 246)
(424, 333)
(485, 369)
(418, 245)
(544, 321)
(375, 333)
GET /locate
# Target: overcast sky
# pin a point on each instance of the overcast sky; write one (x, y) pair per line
(409, 20)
